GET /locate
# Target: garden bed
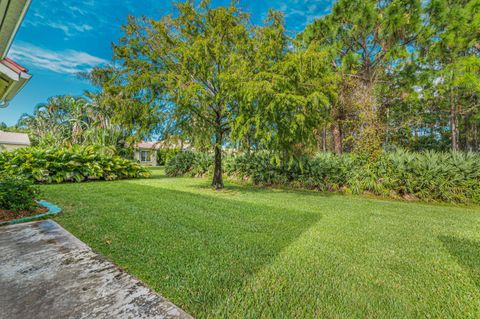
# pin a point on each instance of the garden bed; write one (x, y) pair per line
(42, 209)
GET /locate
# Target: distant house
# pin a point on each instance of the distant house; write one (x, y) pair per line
(10, 141)
(146, 153)
(13, 76)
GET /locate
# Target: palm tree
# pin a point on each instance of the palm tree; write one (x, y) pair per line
(56, 122)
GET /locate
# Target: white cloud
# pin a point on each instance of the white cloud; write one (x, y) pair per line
(299, 13)
(76, 18)
(67, 61)
(70, 29)
(58, 14)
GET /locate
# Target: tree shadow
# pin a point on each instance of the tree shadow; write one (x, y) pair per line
(157, 172)
(194, 249)
(467, 253)
(256, 189)
(154, 176)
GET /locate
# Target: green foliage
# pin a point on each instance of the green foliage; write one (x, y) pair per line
(190, 164)
(415, 69)
(368, 76)
(366, 38)
(287, 101)
(180, 164)
(67, 120)
(286, 95)
(164, 155)
(75, 164)
(192, 74)
(17, 192)
(325, 171)
(261, 167)
(429, 176)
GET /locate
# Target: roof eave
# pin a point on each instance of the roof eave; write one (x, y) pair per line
(15, 29)
(13, 143)
(13, 88)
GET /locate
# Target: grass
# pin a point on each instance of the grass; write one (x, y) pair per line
(248, 252)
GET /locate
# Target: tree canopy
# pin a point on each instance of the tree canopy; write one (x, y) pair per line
(369, 75)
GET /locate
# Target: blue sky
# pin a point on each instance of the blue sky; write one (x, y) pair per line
(60, 38)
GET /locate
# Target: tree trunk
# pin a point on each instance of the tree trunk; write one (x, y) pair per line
(468, 128)
(415, 139)
(217, 182)
(475, 137)
(324, 140)
(337, 138)
(453, 122)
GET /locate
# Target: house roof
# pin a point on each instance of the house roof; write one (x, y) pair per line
(148, 145)
(161, 144)
(14, 66)
(13, 76)
(14, 138)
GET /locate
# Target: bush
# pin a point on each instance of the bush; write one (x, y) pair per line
(261, 167)
(76, 164)
(17, 193)
(189, 163)
(165, 155)
(325, 171)
(428, 176)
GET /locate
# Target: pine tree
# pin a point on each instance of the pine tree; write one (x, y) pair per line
(368, 37)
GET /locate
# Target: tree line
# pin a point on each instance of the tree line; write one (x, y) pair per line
(68, 120)
(369, 76)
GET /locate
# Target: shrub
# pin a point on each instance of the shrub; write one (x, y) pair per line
(428, 176)
(202, 165)
(76, 164)
(261, 167)
(325, 171)
(189, 163)
(17, 193)
(180, 164)
(165, 155)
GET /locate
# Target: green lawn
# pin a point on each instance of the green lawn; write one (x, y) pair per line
(248, 252)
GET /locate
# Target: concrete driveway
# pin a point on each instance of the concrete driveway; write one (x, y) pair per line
(45, 272)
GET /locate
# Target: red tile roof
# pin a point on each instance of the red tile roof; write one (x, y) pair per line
(13, 66)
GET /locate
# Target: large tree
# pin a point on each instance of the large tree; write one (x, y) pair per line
(189, 63)
(287, 93)
(452, 54)
(368, 38)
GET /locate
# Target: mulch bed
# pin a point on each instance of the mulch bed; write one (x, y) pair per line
(7, 215)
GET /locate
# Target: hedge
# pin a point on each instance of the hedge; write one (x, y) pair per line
(429, 176)
(75, 164)
(17, 193)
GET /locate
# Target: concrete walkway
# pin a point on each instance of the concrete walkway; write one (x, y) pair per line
(45, 272)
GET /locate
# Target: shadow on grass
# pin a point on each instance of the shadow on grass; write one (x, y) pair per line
(467, 253)
(193, 249)
(237, 187)
(155, 176)
(157, 172)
